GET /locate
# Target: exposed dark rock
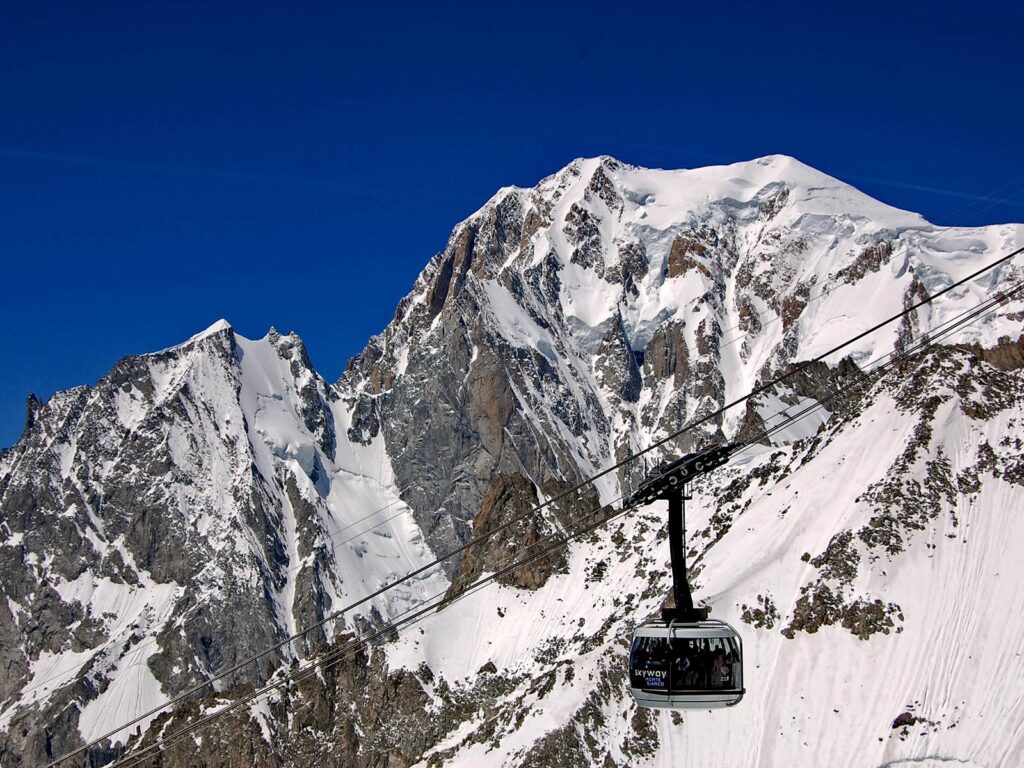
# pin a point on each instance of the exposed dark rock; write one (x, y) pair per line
(582, 229)
(687, 253)
(631, 268)
(1007, 355)
(764, 615)
(870, 259)
(508, 498)
(616, 366)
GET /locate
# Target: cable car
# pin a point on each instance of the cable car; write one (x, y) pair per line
(676, 665)
(683, 660)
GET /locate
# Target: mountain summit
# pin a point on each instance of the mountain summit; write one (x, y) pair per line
(199, 504)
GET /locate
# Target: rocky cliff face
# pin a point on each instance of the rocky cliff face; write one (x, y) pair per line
(204, 502)
(174, 519)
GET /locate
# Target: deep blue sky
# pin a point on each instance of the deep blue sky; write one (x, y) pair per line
(163, 165)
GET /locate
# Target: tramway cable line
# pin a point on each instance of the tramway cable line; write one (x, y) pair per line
(718, 632)
(564, 494)
(407, 618)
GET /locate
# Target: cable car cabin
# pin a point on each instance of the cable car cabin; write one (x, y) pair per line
(676, 665)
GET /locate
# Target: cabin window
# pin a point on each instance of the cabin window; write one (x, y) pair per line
(680, 665)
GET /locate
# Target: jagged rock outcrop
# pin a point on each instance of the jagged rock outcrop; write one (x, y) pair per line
(513, 535)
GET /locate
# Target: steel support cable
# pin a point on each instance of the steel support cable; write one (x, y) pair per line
(418, 613)
(936, 334)
(346, 652)
(799, 367)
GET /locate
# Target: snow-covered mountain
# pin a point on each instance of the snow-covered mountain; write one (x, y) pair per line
(204, 502)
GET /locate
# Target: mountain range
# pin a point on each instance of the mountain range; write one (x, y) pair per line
(205, 502)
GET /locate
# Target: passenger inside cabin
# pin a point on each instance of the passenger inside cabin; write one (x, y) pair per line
(721, 671)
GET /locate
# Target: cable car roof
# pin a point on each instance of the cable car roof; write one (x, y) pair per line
(661, 628)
